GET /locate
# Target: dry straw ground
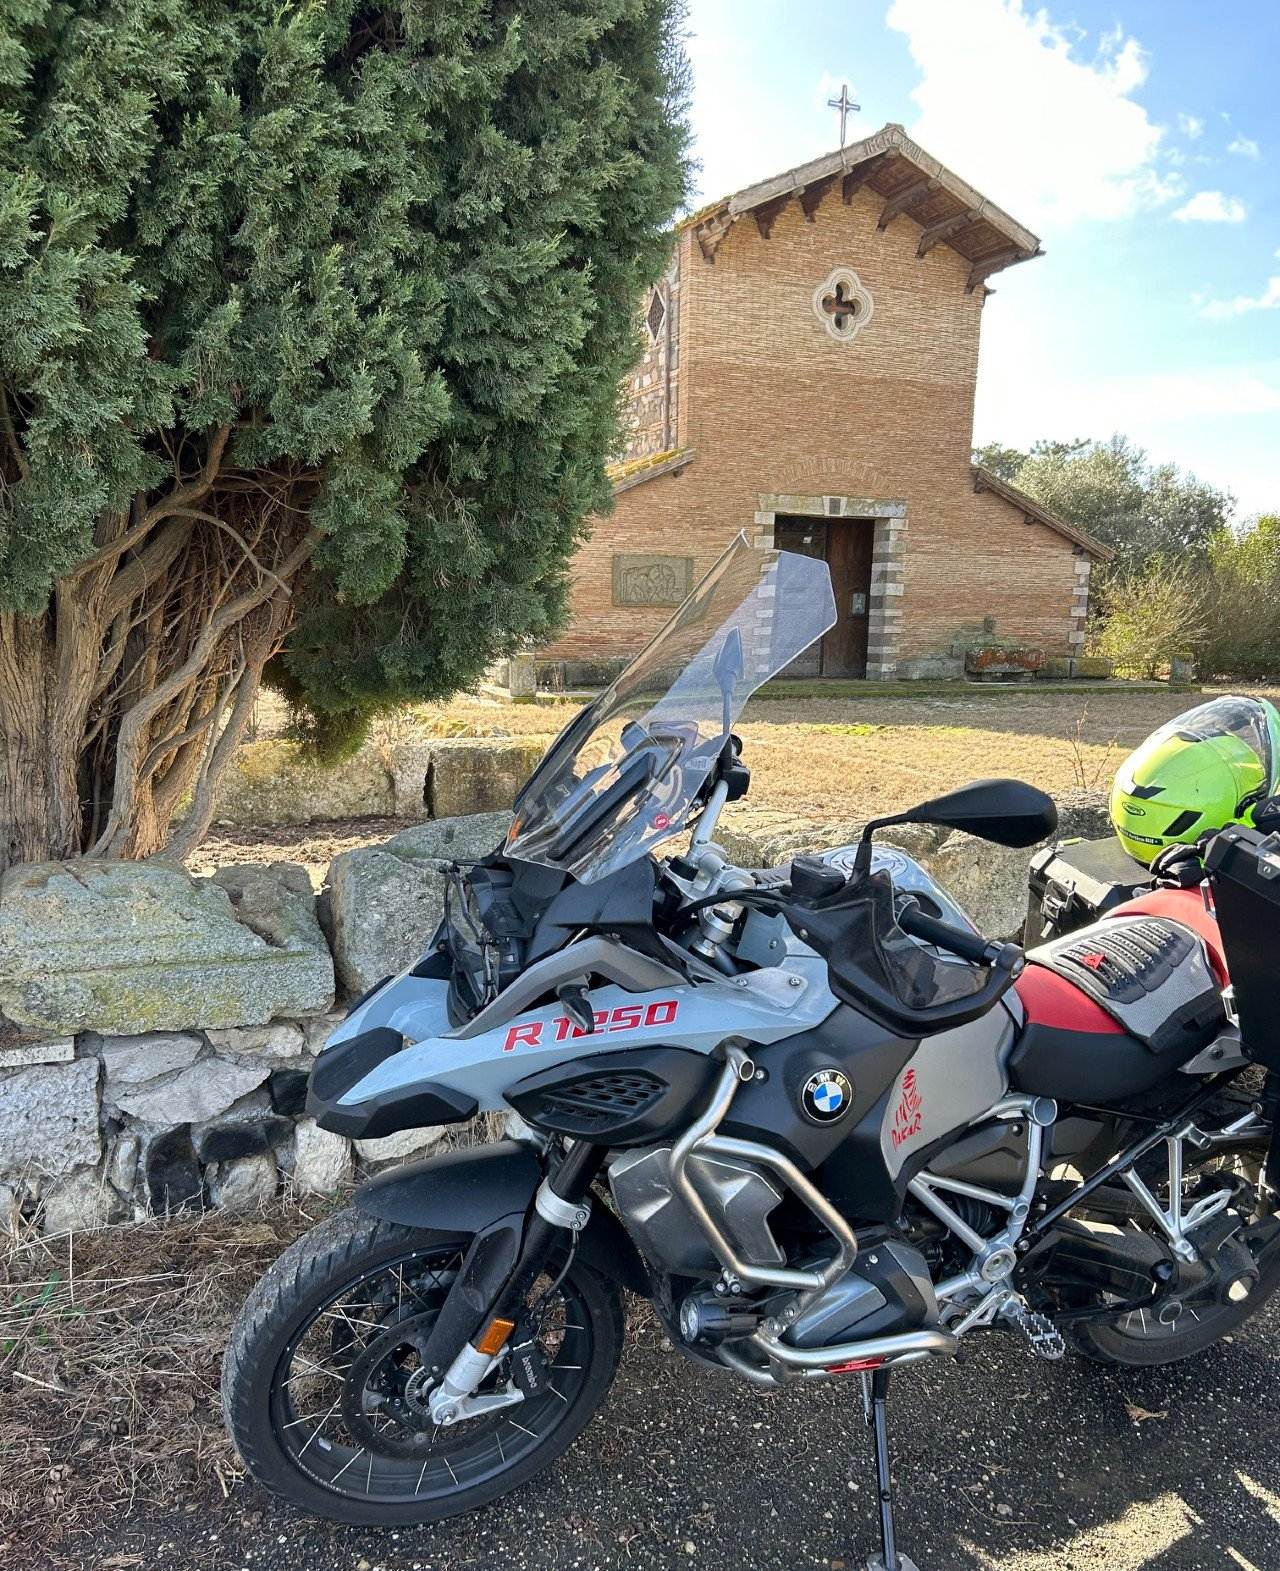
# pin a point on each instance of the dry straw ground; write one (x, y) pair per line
(110, 1349)
(812, 758)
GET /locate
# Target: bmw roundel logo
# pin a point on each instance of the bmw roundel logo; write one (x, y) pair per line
(827, 1096)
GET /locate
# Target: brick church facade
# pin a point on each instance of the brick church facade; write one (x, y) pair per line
(809, 377)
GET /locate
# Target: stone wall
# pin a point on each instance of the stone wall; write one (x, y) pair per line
(156, 1030)
(273, 782)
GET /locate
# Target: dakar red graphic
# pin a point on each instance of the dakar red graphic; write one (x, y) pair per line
(908, 1116)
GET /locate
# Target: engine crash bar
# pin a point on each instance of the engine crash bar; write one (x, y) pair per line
(701, 1138)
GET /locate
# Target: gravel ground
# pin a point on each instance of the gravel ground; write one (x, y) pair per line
(1003, 1463)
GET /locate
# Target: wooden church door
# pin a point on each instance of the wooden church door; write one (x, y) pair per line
(844, 649)
(845, 545)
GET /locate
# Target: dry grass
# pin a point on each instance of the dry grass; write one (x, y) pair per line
(847, 758)
(110, 1352)
(833, 760)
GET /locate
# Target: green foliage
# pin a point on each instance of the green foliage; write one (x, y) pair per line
(1112, 490)
(397, 250)
(1154, 612)
(1243, 638)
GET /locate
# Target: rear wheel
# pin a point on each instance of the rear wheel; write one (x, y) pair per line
(1244, 1270)
(325, 1393)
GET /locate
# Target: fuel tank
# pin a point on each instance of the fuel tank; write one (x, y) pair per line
(862, 1108)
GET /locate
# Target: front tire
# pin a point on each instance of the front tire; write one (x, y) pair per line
(335, 1319)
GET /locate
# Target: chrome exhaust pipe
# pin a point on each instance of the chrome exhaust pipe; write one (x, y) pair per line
(927, 1342)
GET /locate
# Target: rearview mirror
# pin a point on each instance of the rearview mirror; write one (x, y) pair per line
(1008, 812)
(728, 668)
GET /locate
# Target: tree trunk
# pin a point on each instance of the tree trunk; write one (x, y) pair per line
(40, 812)
(133, 689)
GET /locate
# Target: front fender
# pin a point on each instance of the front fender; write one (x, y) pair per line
(462, 1193)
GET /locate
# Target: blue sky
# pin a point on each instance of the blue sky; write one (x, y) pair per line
(1140, 140)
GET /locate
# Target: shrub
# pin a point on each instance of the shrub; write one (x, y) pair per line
(1153, 613)
(1243, 632)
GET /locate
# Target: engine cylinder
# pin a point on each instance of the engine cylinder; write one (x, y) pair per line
(738, 1195)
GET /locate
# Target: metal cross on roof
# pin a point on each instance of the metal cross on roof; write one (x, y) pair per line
(846, 106)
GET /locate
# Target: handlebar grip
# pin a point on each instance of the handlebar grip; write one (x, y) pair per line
(969, 946)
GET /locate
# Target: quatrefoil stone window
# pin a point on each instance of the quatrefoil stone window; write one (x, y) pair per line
(842, 304)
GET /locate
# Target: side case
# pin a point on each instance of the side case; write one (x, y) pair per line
(1073, 884)
(1244, 867)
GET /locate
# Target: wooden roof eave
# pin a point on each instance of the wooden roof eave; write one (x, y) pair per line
(966, 214)
(624, 476)
(1034, 513)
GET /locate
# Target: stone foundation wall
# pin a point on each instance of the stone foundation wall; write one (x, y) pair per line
(157, 1030)
(436, 777)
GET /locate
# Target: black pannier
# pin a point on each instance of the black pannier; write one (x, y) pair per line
(1072, 884)
(1244, 867)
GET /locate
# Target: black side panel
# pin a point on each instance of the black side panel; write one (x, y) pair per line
(992, 1154)
(619, 1099)
(771, 1110)
(619, 903)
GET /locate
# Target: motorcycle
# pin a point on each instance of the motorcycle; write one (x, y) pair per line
(811, 1114)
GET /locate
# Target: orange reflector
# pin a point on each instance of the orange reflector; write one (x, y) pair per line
(494, 1337)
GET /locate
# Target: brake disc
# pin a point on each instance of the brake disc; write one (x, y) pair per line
(389, 1379)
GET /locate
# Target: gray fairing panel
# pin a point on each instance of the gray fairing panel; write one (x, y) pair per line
(762, 1007)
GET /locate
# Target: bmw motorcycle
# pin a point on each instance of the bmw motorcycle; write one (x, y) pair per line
(812, 1115)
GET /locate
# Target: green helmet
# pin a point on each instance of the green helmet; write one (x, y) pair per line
(1202, 771)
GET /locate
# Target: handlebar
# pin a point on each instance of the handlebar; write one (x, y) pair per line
(957, 940)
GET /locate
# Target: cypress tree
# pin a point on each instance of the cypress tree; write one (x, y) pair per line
(313, 318)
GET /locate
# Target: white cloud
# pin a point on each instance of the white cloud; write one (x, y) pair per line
(1007, 98)
(1245, 147)
(1191, 126)
(1224, 310)
(1211, 207)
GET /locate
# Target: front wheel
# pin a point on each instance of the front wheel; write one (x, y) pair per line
(325, 1396)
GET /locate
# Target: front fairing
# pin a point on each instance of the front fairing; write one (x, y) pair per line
(763, 1007)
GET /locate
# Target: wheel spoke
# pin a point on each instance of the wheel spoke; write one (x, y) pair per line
(321, 1424)
(366, 1339)
(354, 1457)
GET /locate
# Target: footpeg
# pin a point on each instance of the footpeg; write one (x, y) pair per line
(1043, 1337)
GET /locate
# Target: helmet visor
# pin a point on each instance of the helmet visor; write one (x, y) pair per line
(1247, 721)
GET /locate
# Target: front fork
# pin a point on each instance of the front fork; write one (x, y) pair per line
(486, 1302)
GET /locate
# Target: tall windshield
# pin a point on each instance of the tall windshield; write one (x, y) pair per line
(626, 773)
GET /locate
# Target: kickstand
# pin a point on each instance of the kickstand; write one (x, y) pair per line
(875, 1396)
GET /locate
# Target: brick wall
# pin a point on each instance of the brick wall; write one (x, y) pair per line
(771, 403)
(653, 387)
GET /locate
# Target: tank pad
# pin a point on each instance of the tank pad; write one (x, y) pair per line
(1149, 973)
